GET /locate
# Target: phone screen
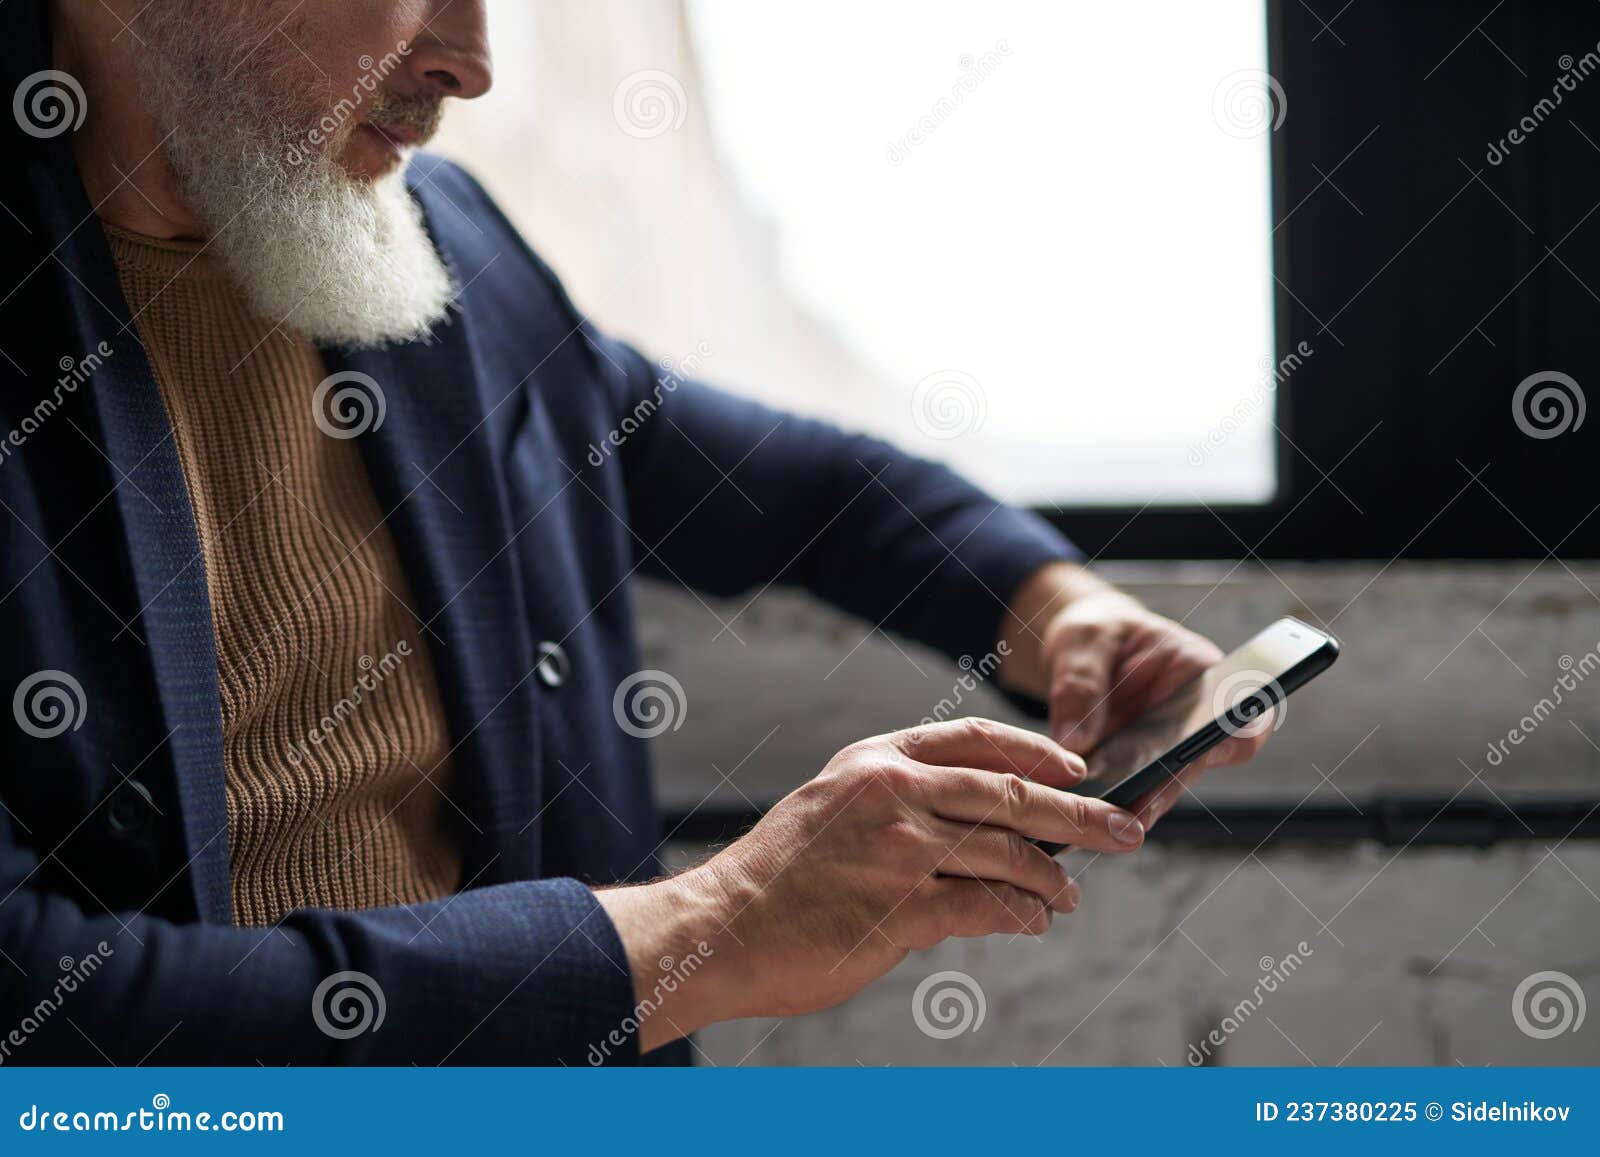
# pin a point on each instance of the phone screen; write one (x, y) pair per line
(1240, 676)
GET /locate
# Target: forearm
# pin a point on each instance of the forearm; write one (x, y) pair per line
(513, 973)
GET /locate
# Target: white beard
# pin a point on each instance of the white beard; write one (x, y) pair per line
(343, 261)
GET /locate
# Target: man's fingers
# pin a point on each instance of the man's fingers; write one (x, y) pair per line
(1003, 857)
(968, 795)
(992, 746)
(1080, 685)
(960, 907)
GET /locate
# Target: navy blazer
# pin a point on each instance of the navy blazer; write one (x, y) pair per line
(520, 521)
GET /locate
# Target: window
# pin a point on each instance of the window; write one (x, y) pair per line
(1046, 229)
(1033, 240)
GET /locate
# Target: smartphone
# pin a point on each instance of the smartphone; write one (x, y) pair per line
(1223, 700)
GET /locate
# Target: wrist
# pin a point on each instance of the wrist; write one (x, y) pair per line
(1025, 629)
(673, 931)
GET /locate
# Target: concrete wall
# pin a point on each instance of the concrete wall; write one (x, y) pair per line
(1411, 957)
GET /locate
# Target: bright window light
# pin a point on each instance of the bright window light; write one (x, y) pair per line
(1045, 225)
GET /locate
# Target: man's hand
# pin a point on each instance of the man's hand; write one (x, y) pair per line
(901, 842)
(1100, 658)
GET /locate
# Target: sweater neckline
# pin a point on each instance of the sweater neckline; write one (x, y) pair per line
(169, 256)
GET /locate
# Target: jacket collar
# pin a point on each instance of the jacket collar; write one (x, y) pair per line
(432, 468)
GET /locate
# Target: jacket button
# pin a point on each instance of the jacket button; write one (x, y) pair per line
(553, 665)
(130, 809)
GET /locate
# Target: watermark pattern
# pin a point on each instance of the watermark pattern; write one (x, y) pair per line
(1273, 974)
(649, 103)
(1547, 404)
(1576, 671)
(1272, 376)
(347, 1004)
(73, 974)
(1548, 1004)
(348, 404)
(948, 1004)
(673, 974)
(160, 1117)
(967, 683)
(974, 70)
(649, 703)
(1248, 103)
(74, 372)
(949, 404)
(373, 74)
(49, 103)
(374, 673)
(1242, 701)
(669, 377)
(1572, 72)
(48, 703)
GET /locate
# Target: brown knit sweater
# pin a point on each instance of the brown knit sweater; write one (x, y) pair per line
(336, 753)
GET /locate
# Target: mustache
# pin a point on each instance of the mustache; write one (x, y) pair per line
(419, 113)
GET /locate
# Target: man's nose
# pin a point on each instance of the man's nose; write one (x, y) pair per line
(451, 55)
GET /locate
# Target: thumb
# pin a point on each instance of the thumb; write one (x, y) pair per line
(1080, 685)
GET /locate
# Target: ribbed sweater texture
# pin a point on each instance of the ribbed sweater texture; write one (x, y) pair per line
(335, 744)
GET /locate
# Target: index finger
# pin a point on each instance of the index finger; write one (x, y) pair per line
(993, 746)
(1041, 813)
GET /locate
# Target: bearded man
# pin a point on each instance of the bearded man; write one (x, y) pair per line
(316, 606)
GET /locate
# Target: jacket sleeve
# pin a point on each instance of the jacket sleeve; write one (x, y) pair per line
(526, 973)
(728, 495)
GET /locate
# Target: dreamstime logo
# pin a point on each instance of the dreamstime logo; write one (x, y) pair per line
(1243, 700)
(948, 1004)
(348, 1004)
(48, 703)
(1248, 103)
(373, 674)
(348, 404)
(1574, 672)
(1572, 73)
(973, 675)
(670, 377)
(49, 103)
(74, 974)
(74, 372)
(948, 403)
(1547, 404)
(649, 103)
(649, 703)
(1547, 1004)
(1274, 974)
(373, 74)
(1244, 410)
(974, 70)
(674, 974)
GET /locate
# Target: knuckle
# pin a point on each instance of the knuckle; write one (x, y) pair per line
(1074, 679)
(915, 739)
(1014, 792)
(905, 843)
(885, 779)
(1018, 853)
(984, 729)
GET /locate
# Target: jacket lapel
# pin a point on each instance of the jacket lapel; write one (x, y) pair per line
(439, 486)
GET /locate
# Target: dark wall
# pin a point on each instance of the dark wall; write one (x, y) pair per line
(1430, 283)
